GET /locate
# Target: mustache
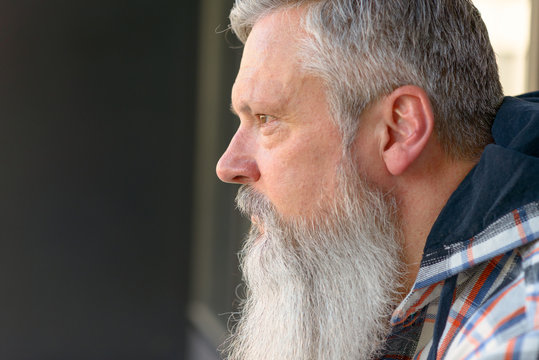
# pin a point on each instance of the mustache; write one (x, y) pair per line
(253, 203)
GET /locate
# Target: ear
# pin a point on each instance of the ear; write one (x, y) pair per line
(407, 127)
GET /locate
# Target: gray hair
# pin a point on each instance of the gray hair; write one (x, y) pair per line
(365, 49)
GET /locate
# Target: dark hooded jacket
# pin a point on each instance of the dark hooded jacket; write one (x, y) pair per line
(476, 295)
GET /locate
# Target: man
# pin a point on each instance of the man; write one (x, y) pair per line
(393, 192)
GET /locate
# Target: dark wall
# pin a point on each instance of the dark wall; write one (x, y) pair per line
(96, 156)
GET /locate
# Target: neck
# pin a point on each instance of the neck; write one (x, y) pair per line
(421, 202)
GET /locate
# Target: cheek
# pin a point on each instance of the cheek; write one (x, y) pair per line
(296, 178)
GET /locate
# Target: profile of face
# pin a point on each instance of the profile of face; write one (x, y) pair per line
(286, 147)
(321, 263)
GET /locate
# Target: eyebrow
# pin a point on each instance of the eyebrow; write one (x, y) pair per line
(244, 109)
(232, 110)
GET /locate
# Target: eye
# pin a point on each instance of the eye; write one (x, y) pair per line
(264, 118)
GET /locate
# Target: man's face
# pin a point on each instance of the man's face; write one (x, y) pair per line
(286, 147)
(321, 264)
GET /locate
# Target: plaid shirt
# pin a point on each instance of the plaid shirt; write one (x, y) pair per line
(494, 304)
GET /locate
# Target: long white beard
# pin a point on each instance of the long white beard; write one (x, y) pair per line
(319, 289)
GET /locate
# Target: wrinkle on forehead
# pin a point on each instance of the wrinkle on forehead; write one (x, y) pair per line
(270, 66)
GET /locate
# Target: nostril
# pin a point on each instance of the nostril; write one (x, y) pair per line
(231, 172)
(242, 173)
(240, 179)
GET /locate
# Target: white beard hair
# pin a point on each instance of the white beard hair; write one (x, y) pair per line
(319, 289)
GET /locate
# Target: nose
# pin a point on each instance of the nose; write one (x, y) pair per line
(237, 164)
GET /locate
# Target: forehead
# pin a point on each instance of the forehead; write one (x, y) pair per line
(270, 67)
